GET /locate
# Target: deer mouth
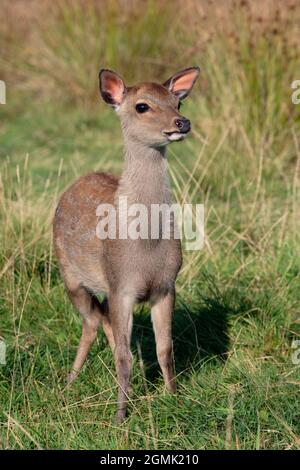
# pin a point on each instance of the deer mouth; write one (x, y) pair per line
(176, 135)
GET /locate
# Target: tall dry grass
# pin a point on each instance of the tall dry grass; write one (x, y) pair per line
(56, 48)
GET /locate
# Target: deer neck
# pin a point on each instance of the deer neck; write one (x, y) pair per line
(145, 177)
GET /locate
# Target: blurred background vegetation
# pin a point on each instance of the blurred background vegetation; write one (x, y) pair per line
(238, 299)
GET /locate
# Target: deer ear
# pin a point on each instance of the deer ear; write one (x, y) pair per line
(112, 87)
(182, 82)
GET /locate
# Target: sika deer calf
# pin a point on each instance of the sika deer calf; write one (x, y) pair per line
(125, 270)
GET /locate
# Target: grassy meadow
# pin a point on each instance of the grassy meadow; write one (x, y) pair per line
(237, 308)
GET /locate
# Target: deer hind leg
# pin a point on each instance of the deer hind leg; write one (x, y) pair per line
(161, 315)
(92, 313)
(121, 308)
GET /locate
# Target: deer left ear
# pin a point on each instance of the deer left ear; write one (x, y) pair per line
(112, 88)
(182, 82)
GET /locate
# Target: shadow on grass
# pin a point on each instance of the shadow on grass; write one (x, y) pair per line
(200, 331)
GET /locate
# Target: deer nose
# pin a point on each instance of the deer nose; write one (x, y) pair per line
(183, 124)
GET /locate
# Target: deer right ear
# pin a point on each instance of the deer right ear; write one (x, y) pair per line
(182, 82)
(112, 87)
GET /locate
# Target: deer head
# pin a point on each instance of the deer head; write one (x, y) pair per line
(150, 112)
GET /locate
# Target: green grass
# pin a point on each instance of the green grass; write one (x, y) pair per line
(237, 309)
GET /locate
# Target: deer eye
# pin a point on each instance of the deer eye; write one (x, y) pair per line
(142, 107)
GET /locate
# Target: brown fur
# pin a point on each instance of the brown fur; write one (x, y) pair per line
(126, 271)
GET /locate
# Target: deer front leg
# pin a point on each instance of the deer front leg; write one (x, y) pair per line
(161, 315)
(120, 308)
